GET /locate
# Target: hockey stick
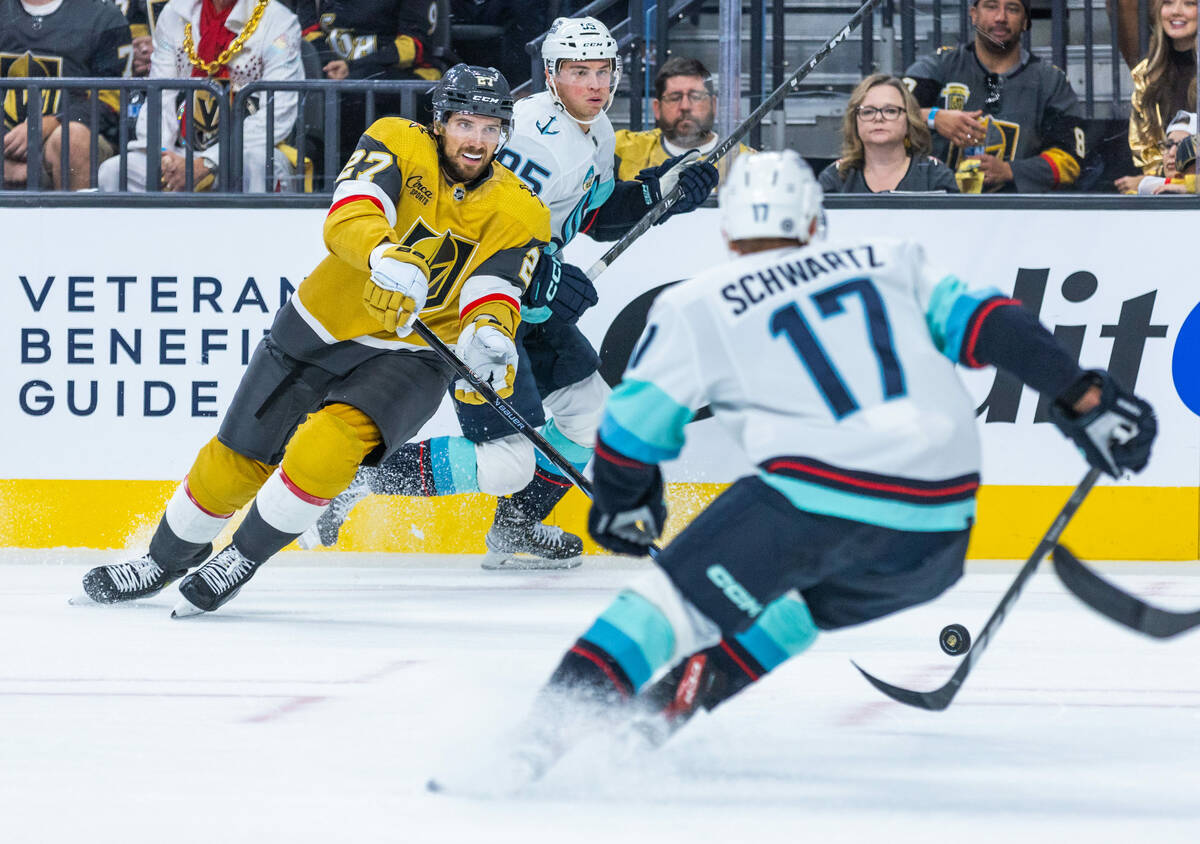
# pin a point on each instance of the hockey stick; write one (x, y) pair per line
(664, 204)
(509, 413)
(502, 407)
(1110, 600)
(940, 698)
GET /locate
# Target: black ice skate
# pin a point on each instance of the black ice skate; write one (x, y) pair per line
(324, 534)
(517, 542)
(129, 581)
(214, 583)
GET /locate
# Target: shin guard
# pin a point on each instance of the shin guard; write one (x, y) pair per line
(537, 499)
(589, 673)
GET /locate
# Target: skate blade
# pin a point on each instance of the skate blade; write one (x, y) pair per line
(83, 600)
(497, 561)
(185, 609)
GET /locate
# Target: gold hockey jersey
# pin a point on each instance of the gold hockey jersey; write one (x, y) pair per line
(638, 150)
(479, 242)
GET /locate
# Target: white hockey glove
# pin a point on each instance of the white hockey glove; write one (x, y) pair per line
(1114, 436)
(491, 355)
(396, 290)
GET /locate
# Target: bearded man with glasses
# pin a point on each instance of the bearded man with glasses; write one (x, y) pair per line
(1013, 111)
(683, 104)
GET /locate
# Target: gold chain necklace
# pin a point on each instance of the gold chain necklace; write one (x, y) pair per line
(214, 67)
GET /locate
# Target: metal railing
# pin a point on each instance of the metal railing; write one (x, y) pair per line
(647, 22)
(908, 27)
(319, 107)
(317, 127)
(60, 93)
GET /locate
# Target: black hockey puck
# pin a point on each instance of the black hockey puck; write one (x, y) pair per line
(955, 640)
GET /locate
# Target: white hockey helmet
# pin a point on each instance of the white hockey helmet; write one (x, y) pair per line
(770, 194)
(579, 40)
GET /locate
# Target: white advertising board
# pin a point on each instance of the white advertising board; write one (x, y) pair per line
(126, 331)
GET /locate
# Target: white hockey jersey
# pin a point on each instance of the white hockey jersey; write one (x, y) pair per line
(570, 170)
(833, 365)
(272, 52)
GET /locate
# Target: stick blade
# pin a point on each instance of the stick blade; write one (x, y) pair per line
(1116, 604)
(934, 701)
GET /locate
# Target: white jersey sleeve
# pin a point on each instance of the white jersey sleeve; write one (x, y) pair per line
(661, 390)
(570, 170)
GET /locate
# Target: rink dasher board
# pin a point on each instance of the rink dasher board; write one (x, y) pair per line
(124, 349)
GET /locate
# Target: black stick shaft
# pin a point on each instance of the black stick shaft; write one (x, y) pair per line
(502, 407)
(509, 413)
(664, 204)
(940, 698)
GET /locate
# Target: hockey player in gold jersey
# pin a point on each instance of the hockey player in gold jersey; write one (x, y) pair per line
(422, 223)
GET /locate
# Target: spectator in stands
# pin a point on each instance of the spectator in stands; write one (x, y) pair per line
(994, 93)
(371, 39)
(885, 144)
(140, 14)
(1182, 125)
(55, 39)
(1164, 82)
(683, 117)
(233, 43)
(1184, 165)
(1123, 16)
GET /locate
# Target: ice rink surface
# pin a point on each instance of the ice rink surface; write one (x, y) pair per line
(315, 706)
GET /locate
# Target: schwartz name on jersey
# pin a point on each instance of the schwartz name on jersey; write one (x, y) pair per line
(478, 241)
(819, 350)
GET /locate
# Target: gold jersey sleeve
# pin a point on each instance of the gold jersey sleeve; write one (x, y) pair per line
(478, 243)
(638, 150)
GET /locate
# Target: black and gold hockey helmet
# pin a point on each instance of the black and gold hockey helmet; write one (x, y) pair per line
(474, 90)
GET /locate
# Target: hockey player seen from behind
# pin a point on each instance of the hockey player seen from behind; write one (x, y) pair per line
(833, 365)
(422, 223)
(562, 147)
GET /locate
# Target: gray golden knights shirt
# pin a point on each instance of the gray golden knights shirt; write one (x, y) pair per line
(1035, 119)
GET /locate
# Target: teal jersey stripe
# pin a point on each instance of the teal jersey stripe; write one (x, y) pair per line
(535, 316)
(453, 462)
(636, 634)
(576, 454)
(643, 422)
(784, 629)
(898, 515)
(950, 309)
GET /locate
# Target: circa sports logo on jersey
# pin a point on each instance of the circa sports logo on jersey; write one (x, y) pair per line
(447, 255)
(418, 190)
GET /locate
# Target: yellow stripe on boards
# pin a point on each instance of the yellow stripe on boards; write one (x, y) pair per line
(1114, 523)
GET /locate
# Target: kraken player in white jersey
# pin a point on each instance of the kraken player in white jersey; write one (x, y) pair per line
(833, 365)
(562, 147)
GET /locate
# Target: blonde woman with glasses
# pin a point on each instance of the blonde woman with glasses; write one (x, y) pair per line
(885, 144)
